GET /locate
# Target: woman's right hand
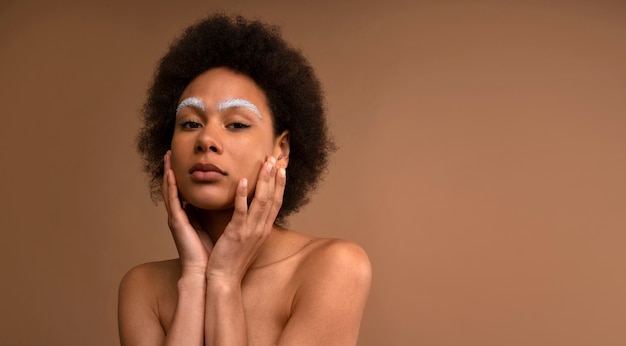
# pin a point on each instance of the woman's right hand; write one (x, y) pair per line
(193, 244)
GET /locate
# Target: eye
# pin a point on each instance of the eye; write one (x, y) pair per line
(237, 126)
(189, 124)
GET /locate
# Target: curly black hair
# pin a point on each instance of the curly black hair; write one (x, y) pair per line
(258, 51)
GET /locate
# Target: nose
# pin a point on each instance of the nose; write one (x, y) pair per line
(209, 140)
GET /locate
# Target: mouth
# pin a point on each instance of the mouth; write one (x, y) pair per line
(206, 173)
(206, 167)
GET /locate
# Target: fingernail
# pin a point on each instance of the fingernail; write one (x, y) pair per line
(282, 172)
(270, 166)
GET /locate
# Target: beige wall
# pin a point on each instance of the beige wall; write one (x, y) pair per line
(482, 163)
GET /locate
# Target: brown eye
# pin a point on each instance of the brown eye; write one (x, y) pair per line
(190, 125)
(238, 126)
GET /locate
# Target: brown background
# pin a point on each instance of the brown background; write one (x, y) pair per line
(482, 163)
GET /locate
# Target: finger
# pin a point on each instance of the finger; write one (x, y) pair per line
(164, 183)
(261, 198)
(279, 191)
(169, 183)
(272, 181)
(270, 190)
(177, 217)
(241, 205)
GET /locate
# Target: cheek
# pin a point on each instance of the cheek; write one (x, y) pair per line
(176, 161)
(179, 142)
(250, 161)
(251, 165)
(256, 149)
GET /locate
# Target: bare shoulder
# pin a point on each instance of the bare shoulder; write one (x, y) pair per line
(338, 251)
(152, 274)
(140, 301)
(146, 283)
(333, 281)
(338, 259)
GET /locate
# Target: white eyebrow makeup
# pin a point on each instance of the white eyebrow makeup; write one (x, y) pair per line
(191, 102)
(197, 103)
(235, 103)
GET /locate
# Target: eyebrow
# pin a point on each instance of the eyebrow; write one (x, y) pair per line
(191, 102)
(236, 103)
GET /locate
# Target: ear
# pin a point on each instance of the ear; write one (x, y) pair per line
(281, 149)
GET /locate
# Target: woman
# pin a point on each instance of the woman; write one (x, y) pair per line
(234, 139)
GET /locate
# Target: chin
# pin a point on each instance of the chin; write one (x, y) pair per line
(214, 207)
(209, 198)
(211, 204)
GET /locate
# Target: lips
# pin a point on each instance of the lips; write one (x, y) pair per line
(206, 167)
(206, 172)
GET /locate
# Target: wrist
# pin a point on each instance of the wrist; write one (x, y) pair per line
(190, 280)
(194, 270)
(223, 285)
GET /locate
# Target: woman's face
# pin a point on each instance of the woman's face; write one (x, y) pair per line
(223, 133)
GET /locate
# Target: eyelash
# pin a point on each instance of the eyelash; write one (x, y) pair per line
(189, 124)
(237, 126)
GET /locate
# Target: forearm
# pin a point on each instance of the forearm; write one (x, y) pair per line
(225, 322)
(188, 323)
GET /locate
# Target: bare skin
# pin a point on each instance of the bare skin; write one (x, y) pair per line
(240, 280)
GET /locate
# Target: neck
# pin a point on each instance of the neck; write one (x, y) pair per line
(215, 221)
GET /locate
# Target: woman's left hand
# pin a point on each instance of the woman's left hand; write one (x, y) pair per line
(240, 244)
